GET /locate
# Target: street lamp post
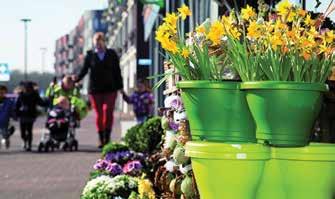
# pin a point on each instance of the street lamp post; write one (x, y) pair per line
(43, 51)
(25, 21)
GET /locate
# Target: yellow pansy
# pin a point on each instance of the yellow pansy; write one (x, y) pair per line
(184, 11)
(216, 32)
(248, 13)
(171, 19)
(185, 53)
(145, 189)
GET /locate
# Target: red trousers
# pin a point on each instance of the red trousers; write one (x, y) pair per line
(103, 105)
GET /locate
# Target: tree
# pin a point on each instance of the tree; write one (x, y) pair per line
(42, 80)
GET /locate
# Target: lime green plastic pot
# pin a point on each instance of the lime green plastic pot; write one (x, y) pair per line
(217, 111)
(227, 170)
(308, 172)
(304, 172)
(284, 112)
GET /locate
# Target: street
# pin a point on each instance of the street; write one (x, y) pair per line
(54, 175)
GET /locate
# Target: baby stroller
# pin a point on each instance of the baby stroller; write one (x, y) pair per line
(61, 125)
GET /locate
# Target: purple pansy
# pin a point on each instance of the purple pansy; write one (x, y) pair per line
(114, 169)
(132, 167)
(100, 164)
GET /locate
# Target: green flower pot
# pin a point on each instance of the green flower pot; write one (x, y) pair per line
(217, 111)
(305, 172)
(227, 170)
(284, 112)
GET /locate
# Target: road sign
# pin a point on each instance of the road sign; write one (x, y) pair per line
(4, 72)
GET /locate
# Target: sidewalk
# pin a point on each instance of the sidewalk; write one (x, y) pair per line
(57, 175)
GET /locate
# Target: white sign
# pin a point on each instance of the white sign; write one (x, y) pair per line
(150, 13)
(4, 72)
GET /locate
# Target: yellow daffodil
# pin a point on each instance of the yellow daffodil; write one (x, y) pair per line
(169, 45)
(184, 11)
(162, 31)
(284, 7)
(325, 49)
(313, 32)
(309, 21)
(253, 30)
(185, 53)
(306, 55)
(275, 41)
(302, 12)
(248, 13)
(216, 32)
(235, 33)
(201, 30)
(330, 36)
(171, 19)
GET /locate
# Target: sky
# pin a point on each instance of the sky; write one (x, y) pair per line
(50, 20)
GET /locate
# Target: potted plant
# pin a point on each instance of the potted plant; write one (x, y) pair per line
(216, 108)
(284, 58)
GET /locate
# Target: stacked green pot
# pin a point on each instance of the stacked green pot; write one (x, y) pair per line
(305, 172)
(284, 112)
(217, 111)
(227, 170)
(226, 119)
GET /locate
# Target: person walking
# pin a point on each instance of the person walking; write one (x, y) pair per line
(142, 100)
(26, 112)
(105, 81)
(6, 112)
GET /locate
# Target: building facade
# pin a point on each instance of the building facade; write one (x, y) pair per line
(70, 48)
(125, 35)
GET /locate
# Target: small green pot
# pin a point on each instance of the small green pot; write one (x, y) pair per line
(284, 112)
(227, 170)
(217, 111)
(304, 172)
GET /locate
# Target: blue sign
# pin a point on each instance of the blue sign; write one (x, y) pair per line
(4, 72)
(144, 62)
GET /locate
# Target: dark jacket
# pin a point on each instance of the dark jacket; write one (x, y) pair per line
(105, 75)
(6, 112)
(26, 106)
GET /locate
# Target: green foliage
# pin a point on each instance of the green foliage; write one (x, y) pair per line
(97, 173)
(131, 137)
(114, 147)
(146, 137)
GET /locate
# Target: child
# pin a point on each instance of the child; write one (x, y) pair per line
(142, 100)
(26, 110)
(6, 112)
(57, 120)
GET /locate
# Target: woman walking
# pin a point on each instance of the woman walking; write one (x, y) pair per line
(105, 81)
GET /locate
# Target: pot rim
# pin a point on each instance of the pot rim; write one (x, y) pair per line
(312, 152)
(284, 85)
(229, 151)
(233, 85)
